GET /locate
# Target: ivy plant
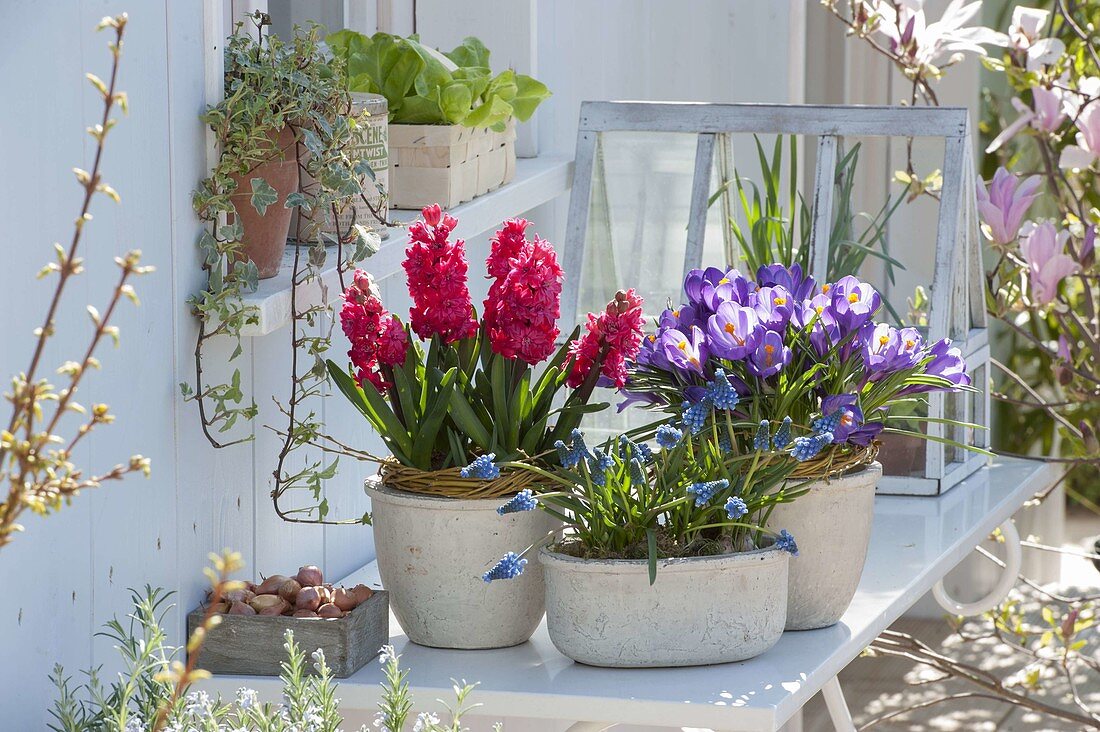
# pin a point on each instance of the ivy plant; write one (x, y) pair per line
(271, 84)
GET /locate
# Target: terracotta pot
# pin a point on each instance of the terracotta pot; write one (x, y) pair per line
(265, 236)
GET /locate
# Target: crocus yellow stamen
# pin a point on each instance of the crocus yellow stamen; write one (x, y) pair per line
(675, 313)
(883, 340)
(729, 328)
(854, 297)
(825, 289)
(780, 301)
(682, 345)
(724, 281)
(910, 343)
(820, 309)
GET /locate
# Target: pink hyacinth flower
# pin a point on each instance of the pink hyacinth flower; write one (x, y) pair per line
(1048, 264)
(1003, 205)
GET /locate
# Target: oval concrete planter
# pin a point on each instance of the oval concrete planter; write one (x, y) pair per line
(701, 610)
(432, 553)
(831, 524)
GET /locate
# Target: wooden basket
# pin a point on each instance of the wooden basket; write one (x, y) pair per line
(449, 483)
(448, 164)
(253, 644)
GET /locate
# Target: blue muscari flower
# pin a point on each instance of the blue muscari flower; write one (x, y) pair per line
(571, 455)
(628, 449)
(736, 507)
(763, 438)
(783, 434)
(807, 447)
(509, 567)
(705, 491)
(721, 394)
(637, 472)
(695, 415)
(668, 436)
(522, 501)
(482, 468)
(828, 424)
(786, 542)
(599, 463)
(724, 443)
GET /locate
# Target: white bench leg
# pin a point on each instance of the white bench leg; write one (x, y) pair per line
(838, 708)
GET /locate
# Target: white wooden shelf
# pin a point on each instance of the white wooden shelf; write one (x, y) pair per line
(538, 180)
(914, 543)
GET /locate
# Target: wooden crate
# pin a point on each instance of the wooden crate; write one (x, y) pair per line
(448, 164)
(253, 644)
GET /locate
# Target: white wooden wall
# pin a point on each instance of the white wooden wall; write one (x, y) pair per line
(69, 574)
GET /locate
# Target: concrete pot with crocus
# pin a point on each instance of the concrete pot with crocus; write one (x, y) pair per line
(465, 406)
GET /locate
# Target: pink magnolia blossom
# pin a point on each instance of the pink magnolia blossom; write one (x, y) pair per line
(1025, 34)
(1087, 149)
(1044, 250)
(1049, 110)
(1002, 207)
(927, 44)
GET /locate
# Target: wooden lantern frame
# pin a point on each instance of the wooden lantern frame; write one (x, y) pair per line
(957, 307)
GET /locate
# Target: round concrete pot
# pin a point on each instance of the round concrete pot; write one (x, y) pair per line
(701, 610)
(432, 553)
(831, 523)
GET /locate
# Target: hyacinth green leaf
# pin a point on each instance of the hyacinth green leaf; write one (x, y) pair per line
(530, 93)
(466, 420)
(433, 418)
(471, 52)
(375, 409)
(404, 395)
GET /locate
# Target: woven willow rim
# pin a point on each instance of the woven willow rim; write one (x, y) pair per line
(836, 462)
(449, 483)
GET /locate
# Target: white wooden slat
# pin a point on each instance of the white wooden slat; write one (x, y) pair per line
(821, 223)
(955, 150)
(361, 16)
(783, 119)
(577, 225)
(725, 168)
(700, 192)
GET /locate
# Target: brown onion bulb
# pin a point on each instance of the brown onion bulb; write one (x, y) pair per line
(289, 590)
(362, 593)
(344, 599)
(329, 611)
(271, 585)
(261, 602)
(305, 614)
(309, 598)
(309, 576)
(240, 608)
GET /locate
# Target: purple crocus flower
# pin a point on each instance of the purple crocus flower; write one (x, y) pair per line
(733, 331)
(774, 306)
(887, 349)
(708, 288)
(685, 352)
(854, 303)
(770, 355)
(772, 275)
(946, 362)
(840, 415)
(681, 318)
(1047, 262)
(1002, 207)
(865, 434)
(651, 353)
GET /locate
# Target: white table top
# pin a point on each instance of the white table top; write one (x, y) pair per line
(914, 543)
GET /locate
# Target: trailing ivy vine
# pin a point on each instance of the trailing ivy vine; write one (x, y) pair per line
(271, 84)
